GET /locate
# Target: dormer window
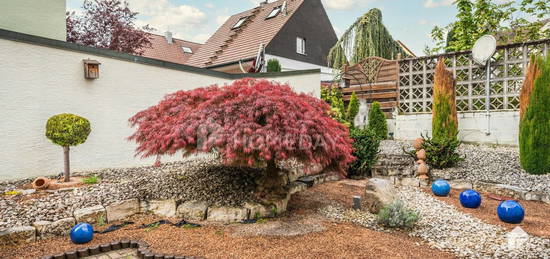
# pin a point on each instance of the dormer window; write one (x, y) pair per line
(239, 23)
(187, 50)
(276, 11)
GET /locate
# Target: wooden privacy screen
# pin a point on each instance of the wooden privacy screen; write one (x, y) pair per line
(373, 79)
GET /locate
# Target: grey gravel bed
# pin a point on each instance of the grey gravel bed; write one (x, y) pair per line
(444, 227)
(201, 179)
(491, 164)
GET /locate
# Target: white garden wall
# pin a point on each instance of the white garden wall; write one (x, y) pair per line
(40, 78)
(472, 127)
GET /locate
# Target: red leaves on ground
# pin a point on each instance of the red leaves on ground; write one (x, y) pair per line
(248, 122)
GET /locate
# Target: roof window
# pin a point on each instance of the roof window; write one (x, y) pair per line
(187, 50)
(276, 11)
(239, 23)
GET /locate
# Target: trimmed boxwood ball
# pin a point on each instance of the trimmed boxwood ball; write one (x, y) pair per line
(82, 233)
(470, 199)
(68, 129)
(511, 212)
(441, 188)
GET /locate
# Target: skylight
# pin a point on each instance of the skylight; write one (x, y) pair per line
(239, 23)
(187, 50)
(275, 12)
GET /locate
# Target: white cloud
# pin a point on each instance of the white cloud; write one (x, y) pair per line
(220, 20)
(437, 3)
(209, 5)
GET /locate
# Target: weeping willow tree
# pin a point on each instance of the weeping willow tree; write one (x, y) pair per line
(367, 37)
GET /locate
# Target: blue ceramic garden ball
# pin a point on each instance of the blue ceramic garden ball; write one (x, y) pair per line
(470, 199)
(82, 233)
(511, 212)
(441, 188)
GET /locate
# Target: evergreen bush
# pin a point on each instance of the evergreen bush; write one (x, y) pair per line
(534, 135)
(366, 148)
(353, 108)
(273, 65)
(444, 115)
(377, 121)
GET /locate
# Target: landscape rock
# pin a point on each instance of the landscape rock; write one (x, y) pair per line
(17, 235)
(461, 184)
(378, 194)
(297, 187)
(257, 210)
(413, 182)
(227, 214)
(164, 208)
(192, 210)
(92, 215)
(48, 229)
(122, 210)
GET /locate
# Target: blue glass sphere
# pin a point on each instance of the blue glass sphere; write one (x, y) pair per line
(82, 233)
(511, 212)
(470, 199)
(441, 188)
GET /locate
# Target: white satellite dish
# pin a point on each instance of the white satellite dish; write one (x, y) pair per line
(484, 49)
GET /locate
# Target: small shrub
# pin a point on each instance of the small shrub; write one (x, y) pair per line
(353, 109)
(101, 220)
(377, 121)
(94, 179)
(441, 153)
(396, 215)
(366, 148)
(273, 65)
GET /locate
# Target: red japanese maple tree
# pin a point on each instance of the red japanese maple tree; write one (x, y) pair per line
(250, 122)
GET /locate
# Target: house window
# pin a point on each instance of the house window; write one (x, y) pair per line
(187, 50)
(301, 45)
(239, 23)
(274, 12)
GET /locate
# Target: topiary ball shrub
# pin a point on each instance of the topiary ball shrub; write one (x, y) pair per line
(441, 188)
(366, 147)
(470, 199)
(67, 130)
(511, 212)
(396, 215)
(82, 233)
(377, 121)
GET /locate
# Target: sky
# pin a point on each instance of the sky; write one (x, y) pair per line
(196, 20)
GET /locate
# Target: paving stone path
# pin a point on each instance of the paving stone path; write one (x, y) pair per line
(118, 254)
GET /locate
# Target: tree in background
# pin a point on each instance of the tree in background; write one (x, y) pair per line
(534, 130)
(504, 20)
(273, 65)
(367, 37)
(67, 130)
(353, 109)
(249, 123)
(377, 121)
(445, 120)
(108, 24)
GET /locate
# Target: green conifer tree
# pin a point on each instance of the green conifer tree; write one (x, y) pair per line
(353, 108)
(377, 121)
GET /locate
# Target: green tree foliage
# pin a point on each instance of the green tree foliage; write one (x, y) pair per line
(377, 121)
(444, 114)
(273, 65)
(353, 108)
(67, 130)
(480, 17)
(334, 97)
(367, 37)
(534, 135)
(366, 148)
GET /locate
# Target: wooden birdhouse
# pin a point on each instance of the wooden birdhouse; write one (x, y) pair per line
(91, 69)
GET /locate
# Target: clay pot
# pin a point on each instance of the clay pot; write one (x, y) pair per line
(41, 183)
(421, 154)
(423, 169)
(417, 143)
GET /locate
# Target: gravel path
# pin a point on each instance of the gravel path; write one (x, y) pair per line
(491, 164)
(444, 227)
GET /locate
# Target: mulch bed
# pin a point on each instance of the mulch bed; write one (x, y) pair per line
(537, 214)
(334, 240)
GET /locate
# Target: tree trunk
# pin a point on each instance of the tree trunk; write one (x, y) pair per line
(67, 164)
(272, 183)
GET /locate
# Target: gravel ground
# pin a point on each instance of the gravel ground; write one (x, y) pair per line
(443, 227)
(491, 164)
(202, 179)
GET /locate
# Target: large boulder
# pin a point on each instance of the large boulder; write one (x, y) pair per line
(163, 208)
(48, 229)
(192, 210)
(17, 235)
(92, 215)
(227, 214)
(122, 210)
(378, 194)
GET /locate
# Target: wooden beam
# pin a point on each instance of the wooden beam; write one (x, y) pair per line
(384, 95)
(367, 87)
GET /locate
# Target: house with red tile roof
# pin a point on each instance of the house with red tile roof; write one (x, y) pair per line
(168, 48)
(296, 32)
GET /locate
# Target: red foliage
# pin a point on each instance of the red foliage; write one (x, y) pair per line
(108, 24)
(248, 122)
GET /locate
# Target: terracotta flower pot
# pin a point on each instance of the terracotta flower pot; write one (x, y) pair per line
(417, 143)
(41, 183)
(422, 170)
(421, 154)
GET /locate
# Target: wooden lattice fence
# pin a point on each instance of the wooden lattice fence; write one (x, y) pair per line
(508, 67)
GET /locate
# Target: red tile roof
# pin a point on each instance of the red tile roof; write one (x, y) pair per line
(227, 45)
(160, 49)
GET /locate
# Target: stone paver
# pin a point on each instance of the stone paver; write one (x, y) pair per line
(129, 253)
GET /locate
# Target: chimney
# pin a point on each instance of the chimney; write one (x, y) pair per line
(264, 2)
(168, 36)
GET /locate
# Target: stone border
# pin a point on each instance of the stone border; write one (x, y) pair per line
(143, 251)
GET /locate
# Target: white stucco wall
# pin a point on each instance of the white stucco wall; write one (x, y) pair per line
(327, 73)
(45, 18)
(37, 82)
(472, 127)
